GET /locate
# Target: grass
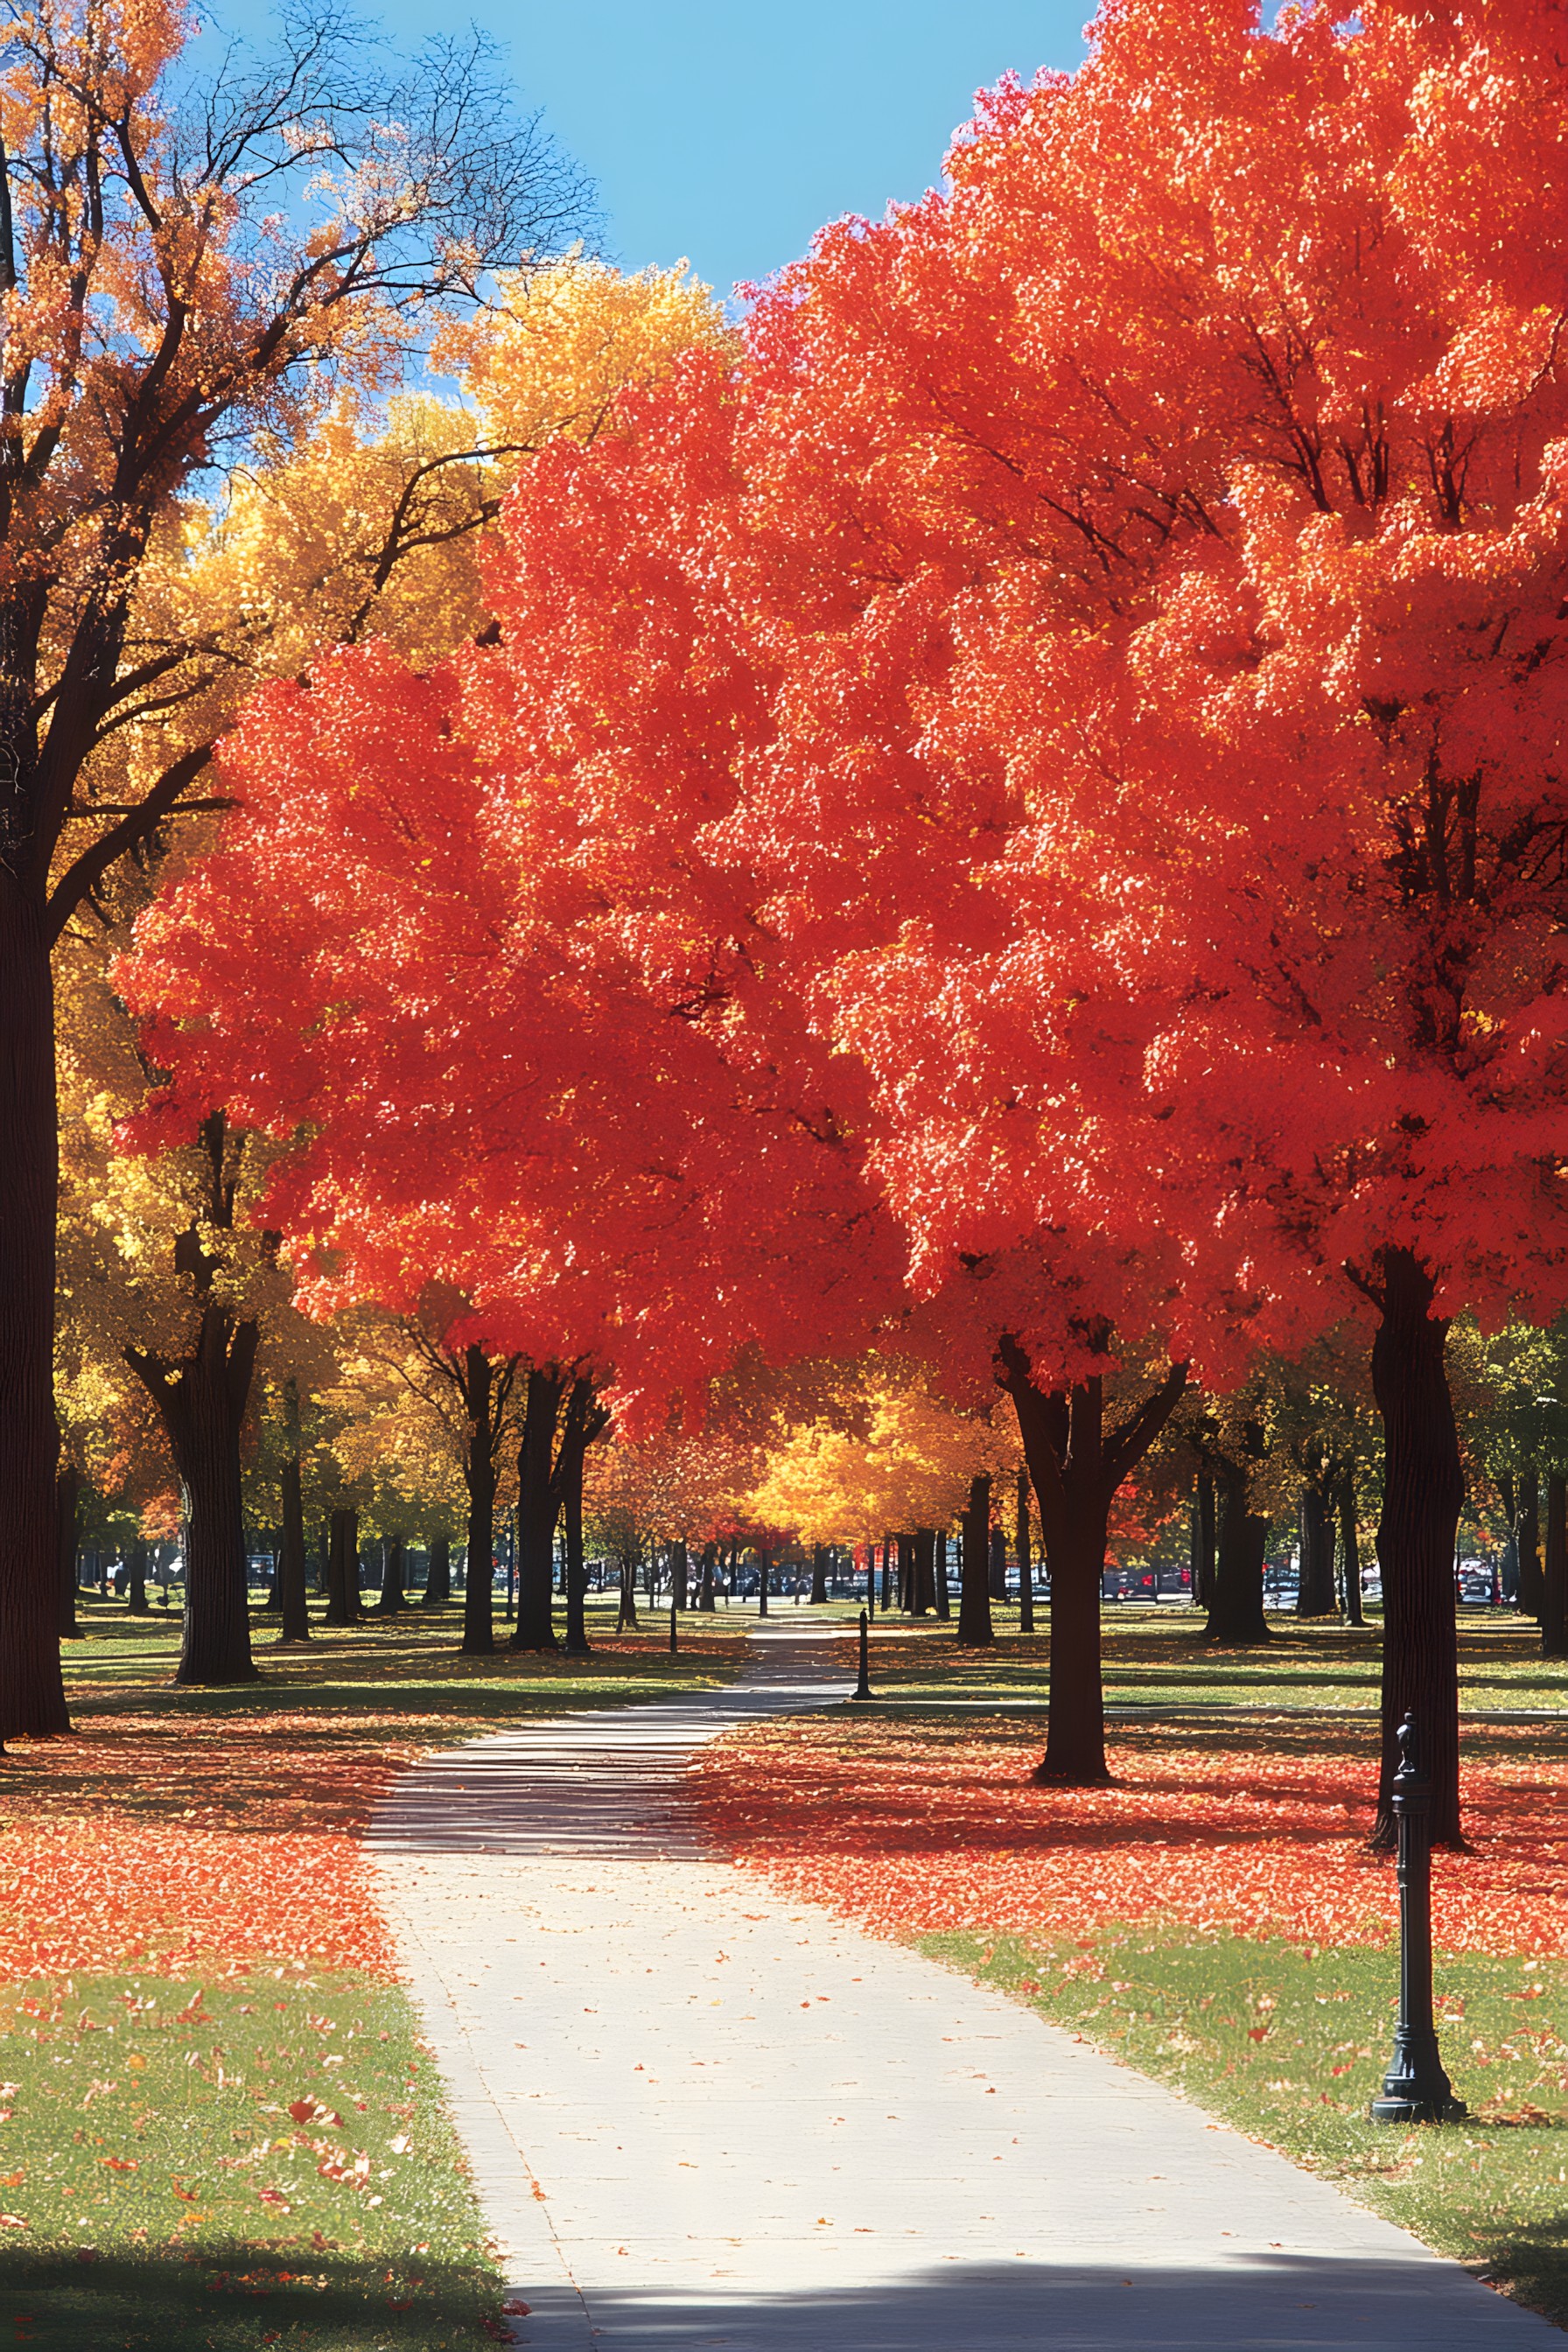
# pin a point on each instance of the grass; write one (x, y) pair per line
(1289, 2043)
(1156, 1657)
(408, 1665)
(170, 2199)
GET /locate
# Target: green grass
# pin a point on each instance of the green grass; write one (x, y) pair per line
(1291, 2045)
(147, 2119)
(1158, 1658)
(408, 1665)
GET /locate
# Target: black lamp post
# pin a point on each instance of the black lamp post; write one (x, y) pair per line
(863, 1687)
(1415, 2090)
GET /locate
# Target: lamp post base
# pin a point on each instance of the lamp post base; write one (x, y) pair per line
(1415, 2089)
(1445, 2110)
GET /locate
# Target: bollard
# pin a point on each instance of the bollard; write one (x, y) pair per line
(674, 1643)
(1415, 2090)
(863, 1687)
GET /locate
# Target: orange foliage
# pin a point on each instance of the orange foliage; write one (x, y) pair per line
(181, 1845)
(914, 1834)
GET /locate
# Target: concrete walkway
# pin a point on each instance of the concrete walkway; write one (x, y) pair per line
(699, 2116)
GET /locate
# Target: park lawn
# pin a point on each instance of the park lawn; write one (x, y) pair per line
(409, 1662)
(1216, 1918)
(188, 1933)
(260, 2161)
(1156, 1657)
(1289, 2041)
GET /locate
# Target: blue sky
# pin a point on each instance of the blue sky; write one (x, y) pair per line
(727, 132)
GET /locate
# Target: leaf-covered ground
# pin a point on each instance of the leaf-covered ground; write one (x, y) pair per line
(218, 2127)
(917, 1827)
(1216, 1918)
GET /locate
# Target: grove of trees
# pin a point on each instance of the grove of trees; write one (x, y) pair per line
(970, 869)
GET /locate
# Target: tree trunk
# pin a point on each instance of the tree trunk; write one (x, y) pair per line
(479, 1476)
(342, 1550)
(274, 1600)
(1531, 1586)
(584, 1423)
(1236, 1615)
(627, 1614)
(763, 1566)
(32, 1696)
(1508, 1575)
(974, 1630)
(1315, 1591)
(925, 1571)
(394, 1579)
(905, 1554)
(68, 1508)
(819, 1574)
(291, 1555)
(1350, 1551)
(1423, 1489)
(1554, 1615)
(681, 1573)
(996, 1543)
(200, 1399)
(1025, 1563)
(886, 1594)
(1076, 1466)
(136, 1601)
(943, 1597)
(705, 1587)
(1204, 1538)
(537, 1504)
(439, 1575)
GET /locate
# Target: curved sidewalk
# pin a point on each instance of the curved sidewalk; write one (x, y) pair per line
(700, 2117)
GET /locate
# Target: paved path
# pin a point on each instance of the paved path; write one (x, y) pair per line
(701, 2118)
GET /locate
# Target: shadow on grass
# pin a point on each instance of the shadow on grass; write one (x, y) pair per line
(234, 2298)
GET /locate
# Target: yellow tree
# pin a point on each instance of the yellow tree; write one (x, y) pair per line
(184, 267)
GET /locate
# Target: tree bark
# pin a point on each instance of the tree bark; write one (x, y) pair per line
(200, 1399)
(343, 1585)
(296, 1624)
(1555, 1614)
(1026, 1564)
(479, 1476)
(627, 1614)
(763, 1566)
(1315, 1594)
(394, 1579)
(1204, 1538)
(925, 1571)
(679, 1575)
(974, 1628)
(1076, 1466)
(32, 1696)
(905, 1555)
(997, 1544)
(136, 1601)
(68, 1511)
(1531, 1586)
(819, 1574)
(439, 1575)
(943, 1597)
(1350, 1551)
(1424, 1490)
(1236, 1615)
(585, 1421)
(538, 1503)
